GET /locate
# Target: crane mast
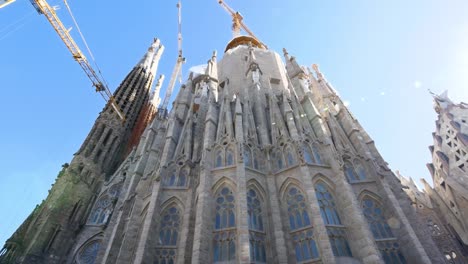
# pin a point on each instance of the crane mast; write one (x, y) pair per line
(44, 8)
(162, 110)
(237, 23)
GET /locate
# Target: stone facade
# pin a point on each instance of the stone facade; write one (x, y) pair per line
(259, 161)
(444, 207)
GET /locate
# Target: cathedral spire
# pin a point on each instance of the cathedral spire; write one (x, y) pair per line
(146, 61)
(156, 99)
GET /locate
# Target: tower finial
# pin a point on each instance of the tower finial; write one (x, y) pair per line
(286, 54)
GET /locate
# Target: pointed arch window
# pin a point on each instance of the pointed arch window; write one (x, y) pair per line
(219, 159)
(89, 253)
(257, 234)
(360, 170)
(350, 172)
(300, 226)
(386, 242)
(335, 229)
(247, 157)
(102, 211)
(307, 155)
(279, 161)
(312, 155)
(224, 234)
(176, 179)
(290, 160)
(317, 157)
(168, 235)
(229, 157)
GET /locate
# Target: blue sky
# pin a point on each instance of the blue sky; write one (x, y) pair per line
(381, 56)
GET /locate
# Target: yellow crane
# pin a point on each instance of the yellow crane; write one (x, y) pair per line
(44, 8)
(162, 110)
(237, 22)
(4, 3)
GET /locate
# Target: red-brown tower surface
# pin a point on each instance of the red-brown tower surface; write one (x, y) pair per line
(147, 114)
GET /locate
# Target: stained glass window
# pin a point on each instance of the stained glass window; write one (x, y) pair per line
(219, 159)
(229, 157)
(168, 235)
(374, 215)
(361, 171)
(102, 211)
(387, 243)
(350, 173)
(176, 179)
(290, 157)
(89, 253)
(336, 231)
(256, 227)
(279, 161)
(170, 223)
(224, 237)
(247, 157)
(307, 155)
(300, 227)
(318, 159)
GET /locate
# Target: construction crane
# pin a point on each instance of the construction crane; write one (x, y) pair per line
(45, 9)
(237, 23)
(162, 110)
(4, 3)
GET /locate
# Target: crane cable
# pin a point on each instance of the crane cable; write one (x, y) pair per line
(84, 41)
(15, 26)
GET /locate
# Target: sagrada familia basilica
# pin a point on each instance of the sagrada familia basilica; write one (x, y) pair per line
(258, 161)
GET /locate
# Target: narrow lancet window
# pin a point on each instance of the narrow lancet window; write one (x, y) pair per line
(224, 234)
(300, 226)
(256, 227)
(229, 157)
(350, 173)
(387, 243)
(168, 235)
(335, 229)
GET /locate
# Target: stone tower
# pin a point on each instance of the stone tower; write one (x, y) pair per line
(445, 206)
(434, 222)
(49, 232)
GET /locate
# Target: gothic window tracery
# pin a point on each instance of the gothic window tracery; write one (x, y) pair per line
(219, 159)
(360, 170)
(307, 155)
(386, 242)
(300, 227)
(354, 174)
(224, 233)
(290, 160)
(224, 156)
(102, 211)
(247, 157)
(315, 151)
(257, 234)
(89, 253)
(168, 235)
(176, 178)
(229, 157)
(335, 229)
(115, 190)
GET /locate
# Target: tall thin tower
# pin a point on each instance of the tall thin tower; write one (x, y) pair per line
(48, 233)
